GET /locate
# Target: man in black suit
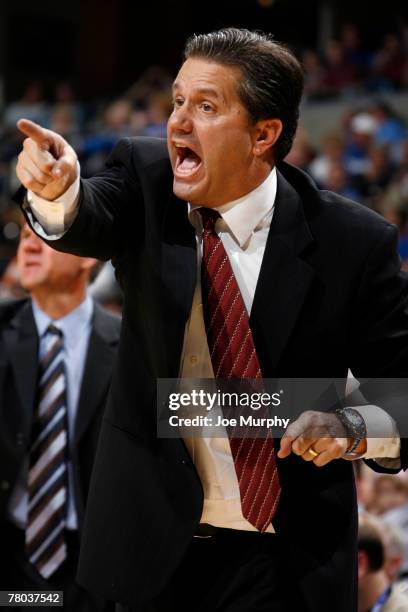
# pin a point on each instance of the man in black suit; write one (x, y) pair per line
(72, 403)
(317, 284)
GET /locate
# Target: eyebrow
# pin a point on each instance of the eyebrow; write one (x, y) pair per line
(201, 90)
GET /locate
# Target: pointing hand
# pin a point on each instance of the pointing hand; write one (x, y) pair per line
(47, 164)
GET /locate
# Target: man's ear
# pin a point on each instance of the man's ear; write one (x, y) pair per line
(267, 132)
(363, 565)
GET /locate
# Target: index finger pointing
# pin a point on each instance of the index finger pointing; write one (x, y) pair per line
(34, 131)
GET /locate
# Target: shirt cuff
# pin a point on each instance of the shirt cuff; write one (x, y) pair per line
(51, 219)
(382, 434)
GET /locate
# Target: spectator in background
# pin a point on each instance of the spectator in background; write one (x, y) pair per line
(340, 77)
(302, 152)
(32, 104)
(57, 352)
(116, 122)
(389, 493)
(364, 478)
(154, 79)
(389, 64)
(362, 129)
(395, 549)
(376, 177)
(337, 180)
(390, 131)
(353, 52)
(314, 75)
(64, 96)
(376, 590)
(159, 108)
(332, 152)
(62, 119)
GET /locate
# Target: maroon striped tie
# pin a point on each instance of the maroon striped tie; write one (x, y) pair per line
(233, 355)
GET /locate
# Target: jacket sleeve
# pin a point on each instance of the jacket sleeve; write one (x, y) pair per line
(379, 337)
(110, 206)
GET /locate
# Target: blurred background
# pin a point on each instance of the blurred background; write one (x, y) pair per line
(97, 70)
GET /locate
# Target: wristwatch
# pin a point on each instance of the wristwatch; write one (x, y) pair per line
(355, 427)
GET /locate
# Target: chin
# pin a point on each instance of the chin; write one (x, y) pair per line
(29, 283)
(186, 192)
(27, 286)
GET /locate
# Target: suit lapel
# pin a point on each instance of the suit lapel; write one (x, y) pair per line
(21, 341)
(284, 278)
(97, 371)
(179, 270)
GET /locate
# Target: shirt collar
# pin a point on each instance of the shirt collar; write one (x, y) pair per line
(72, 325)
(244, 215)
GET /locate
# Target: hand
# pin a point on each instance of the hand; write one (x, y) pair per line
(321, 431)
(47, 164)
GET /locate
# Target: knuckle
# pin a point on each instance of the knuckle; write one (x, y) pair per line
(336, 445)
(42, 176)
(47, 165)
(310, 416)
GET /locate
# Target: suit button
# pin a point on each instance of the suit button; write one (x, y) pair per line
(20, 438)
(4, 485)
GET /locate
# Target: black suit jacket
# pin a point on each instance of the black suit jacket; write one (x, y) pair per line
(18, 379)
(329, 297)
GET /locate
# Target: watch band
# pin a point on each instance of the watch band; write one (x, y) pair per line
(355, 427)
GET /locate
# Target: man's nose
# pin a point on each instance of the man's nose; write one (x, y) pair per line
(180, 120)
(33, 243)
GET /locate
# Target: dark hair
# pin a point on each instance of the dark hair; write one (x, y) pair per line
(369, 540)
(272, 82)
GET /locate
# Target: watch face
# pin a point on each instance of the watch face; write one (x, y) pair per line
(354, 419)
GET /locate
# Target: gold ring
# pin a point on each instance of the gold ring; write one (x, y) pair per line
(313, 452)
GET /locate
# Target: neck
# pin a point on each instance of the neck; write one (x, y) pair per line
(58, 305)
(370, 589)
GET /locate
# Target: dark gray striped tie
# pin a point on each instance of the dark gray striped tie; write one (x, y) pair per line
(47, 476)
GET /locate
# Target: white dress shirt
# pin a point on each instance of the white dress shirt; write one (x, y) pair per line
(243, 229)
(76, 329)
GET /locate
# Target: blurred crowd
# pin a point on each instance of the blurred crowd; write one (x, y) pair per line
(383, 534)
(364, 158)
(347, 66)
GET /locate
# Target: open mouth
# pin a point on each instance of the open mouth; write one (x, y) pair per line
(187, 162)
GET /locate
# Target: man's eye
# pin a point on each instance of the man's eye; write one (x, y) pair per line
(206, 107)
(178, 101)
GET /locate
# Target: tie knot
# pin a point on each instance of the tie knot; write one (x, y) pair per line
(53, 329)
(209, 217)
